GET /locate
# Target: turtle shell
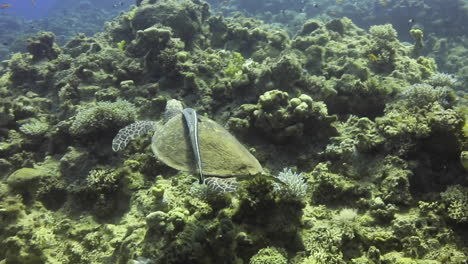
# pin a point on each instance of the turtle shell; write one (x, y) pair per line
(221, 153)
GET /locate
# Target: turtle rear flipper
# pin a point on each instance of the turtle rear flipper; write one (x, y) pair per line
(131, 132)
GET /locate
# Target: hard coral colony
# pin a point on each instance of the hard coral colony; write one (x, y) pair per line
(236, 132)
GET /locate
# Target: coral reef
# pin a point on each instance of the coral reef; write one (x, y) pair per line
(363, 142)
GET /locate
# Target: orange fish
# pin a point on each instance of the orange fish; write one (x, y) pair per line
(5, 6)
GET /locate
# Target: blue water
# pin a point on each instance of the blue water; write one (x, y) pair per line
(27, 9)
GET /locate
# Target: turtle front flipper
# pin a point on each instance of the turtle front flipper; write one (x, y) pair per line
(130, 132)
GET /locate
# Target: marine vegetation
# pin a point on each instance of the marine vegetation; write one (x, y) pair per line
(359, 140)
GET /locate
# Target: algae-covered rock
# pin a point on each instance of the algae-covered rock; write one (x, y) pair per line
(5, 167)
(357, 135)
(417, 35)
(308, 27)
(464, 159)
(80, 44)
(24, 177)
(185, 18)
(282, 119)
(42, 46)
(328, 187)
(151, 39)
(28, 181)
(74, 164)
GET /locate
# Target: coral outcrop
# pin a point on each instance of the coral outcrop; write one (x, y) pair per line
(362, 140)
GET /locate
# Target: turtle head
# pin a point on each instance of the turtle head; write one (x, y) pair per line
(173, 107)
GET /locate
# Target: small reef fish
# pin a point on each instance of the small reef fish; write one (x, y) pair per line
(33, 2)
(383, 3)
(5, 6)
(315, 5)
(373, 57)
(339, 1)
(121, 3)
(411, 21)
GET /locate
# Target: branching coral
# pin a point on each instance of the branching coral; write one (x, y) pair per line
(322, 244)
(103, 116)
(455, 199)
(34, 128)
(357, 135)
(235, 65)
(268, 256)
(293, 184)
(443, 80)
(422, 95)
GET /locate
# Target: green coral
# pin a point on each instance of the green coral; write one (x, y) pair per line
(101, 193)
(386, 144)
(121, 45)
(455, 199)
(355, 135)
(268, 255)
(464, 159)
(101, 179)
(417, 35)
(465, 129)
(383, 52)
(35, 128)
(395, 185)
(131, 14)
(103, 116)
(384, 34)
(328, 187)
(322, 243)
(234, 68)
(42, 46)
(24, 177)
(281, 118)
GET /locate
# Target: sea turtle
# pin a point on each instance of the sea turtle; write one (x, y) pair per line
(187, 142)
